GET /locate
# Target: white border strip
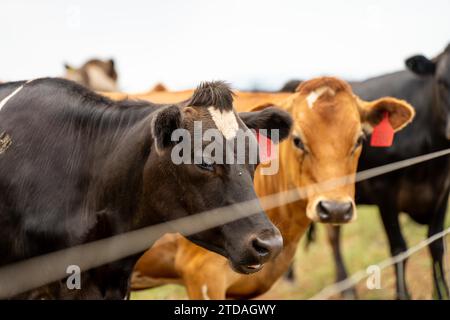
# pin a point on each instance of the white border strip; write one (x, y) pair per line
(6, 99)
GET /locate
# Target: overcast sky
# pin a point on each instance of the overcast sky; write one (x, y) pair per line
(248, 43)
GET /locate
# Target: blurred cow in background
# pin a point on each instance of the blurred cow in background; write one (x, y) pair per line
(95, 74)
(159, 87)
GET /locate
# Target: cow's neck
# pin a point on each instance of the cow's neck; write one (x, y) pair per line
(290, 218)
(421, 93)
(423, 98)
(439, 114)
(118, 170)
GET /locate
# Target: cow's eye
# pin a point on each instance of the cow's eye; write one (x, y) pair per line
(298, 143)
(206, 165)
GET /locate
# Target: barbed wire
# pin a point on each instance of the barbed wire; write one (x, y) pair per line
(38, 271)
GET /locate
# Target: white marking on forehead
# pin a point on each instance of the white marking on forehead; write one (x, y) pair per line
(205, 292)
(314, 95)
(225, 121)
(6, 99)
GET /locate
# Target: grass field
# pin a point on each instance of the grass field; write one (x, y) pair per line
(364, 243)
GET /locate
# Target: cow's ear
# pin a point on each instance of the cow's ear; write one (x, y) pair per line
(399, 112)
(68, 67)
(291, 86)
(268, 117)
(164, 123)
(421, 65)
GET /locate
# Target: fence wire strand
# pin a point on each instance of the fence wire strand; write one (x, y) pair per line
(356, 277)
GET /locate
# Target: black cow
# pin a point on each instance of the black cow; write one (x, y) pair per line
(76, 167)
(421, 190)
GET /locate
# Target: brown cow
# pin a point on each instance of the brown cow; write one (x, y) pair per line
(157, 88)
(325, 144)
(95, 74)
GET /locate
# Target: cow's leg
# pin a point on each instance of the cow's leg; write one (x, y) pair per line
(310, 238)
(437, 251)
(389, 215)
(334, 238)
(205, 289)
(206, 281)
(290, 275)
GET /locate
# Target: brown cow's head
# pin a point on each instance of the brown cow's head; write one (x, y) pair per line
(329, 127)
(97, 75)
(190, 182)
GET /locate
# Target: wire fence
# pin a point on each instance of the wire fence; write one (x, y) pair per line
(38, 271)
(355, 278)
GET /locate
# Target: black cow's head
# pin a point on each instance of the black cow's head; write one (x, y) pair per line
(439, 69)
(190, 182)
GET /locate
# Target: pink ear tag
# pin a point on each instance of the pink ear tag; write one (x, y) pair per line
(265, 148)
(383, 133)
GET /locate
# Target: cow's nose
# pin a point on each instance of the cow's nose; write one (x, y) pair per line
(334, 211)
(267, 247)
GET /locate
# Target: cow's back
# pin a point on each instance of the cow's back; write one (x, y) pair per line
(60, 133)
(42, 172)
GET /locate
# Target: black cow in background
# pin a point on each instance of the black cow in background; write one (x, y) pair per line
(421, 190)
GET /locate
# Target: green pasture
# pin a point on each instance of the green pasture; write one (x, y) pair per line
(364, 243)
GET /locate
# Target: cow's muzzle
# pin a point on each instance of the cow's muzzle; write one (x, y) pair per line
(261, 248)
(334, 211)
